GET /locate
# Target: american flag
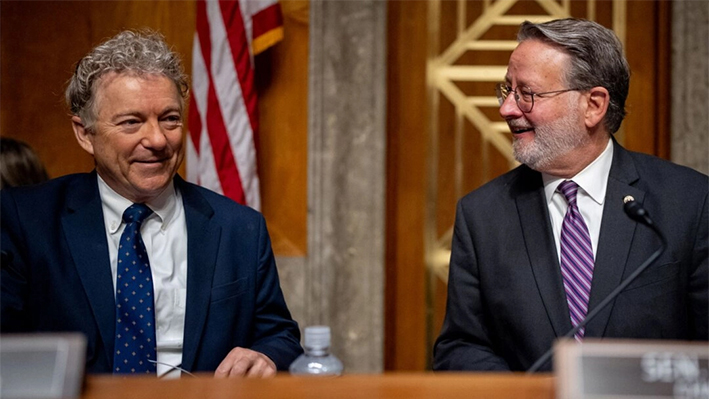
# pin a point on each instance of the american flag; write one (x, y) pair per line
(223, 113)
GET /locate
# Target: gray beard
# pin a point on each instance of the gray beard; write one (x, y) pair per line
(551, 141)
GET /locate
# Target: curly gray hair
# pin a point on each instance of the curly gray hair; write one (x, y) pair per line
(596, 59)
(140, 53)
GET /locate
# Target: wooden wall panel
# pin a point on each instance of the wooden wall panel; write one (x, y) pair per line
(405, 307)
(647, 126)
(282, 84)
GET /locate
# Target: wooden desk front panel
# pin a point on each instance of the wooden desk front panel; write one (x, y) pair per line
(405, 386)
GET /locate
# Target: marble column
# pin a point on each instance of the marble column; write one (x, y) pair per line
(341, 281)
(690, 84)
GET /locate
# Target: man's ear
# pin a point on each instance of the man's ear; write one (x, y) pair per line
(83, 136)
(597, 106)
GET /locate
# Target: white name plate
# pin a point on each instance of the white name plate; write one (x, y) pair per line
(41, 365)
(623, 369)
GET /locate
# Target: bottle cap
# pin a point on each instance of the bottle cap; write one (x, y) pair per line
(317, 337)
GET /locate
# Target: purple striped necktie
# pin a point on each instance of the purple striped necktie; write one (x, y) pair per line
(576, 258)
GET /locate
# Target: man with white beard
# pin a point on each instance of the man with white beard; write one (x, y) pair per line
(539, 247)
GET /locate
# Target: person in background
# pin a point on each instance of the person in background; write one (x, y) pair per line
(537, 248)
(19, 164)
(160, 275)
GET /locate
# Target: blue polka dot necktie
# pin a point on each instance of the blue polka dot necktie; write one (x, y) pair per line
(135, 312)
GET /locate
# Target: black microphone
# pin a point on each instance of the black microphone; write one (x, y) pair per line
(636, 212)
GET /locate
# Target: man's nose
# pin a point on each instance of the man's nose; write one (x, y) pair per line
(154, 136)
(509, 108)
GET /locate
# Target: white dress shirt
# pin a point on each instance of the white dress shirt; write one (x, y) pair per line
(165, 236)
(593, 182)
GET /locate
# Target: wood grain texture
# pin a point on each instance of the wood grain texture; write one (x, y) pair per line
(405, 307)
(282, 84)
(386, 386)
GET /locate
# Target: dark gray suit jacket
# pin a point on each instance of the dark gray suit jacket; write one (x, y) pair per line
(506, 299)
(59, 277)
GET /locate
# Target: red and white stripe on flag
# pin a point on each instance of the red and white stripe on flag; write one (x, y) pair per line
(223, 115)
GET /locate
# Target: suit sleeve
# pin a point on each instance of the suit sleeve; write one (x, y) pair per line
(699, 279)
(464, 342)
(276, 333)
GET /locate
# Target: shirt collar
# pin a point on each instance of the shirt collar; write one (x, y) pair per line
(164, 206)
(593, 179)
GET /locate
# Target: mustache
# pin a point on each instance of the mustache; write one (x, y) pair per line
(519, 124)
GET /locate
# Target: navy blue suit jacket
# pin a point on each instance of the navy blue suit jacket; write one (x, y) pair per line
(56, 274)
(506, 299)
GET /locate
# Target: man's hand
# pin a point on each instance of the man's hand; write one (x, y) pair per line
(242, 362)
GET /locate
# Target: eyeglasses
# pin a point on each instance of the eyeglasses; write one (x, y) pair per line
(524, 96)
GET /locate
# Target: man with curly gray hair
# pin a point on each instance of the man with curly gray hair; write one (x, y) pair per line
(539, 248)
(160, 275)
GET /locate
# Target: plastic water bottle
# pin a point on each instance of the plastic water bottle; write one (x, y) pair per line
(317, 359)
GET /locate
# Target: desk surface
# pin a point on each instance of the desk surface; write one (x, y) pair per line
(370, 386)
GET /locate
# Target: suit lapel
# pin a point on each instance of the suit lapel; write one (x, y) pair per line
(615, 237)
(85, 233)
(536, 228)
(203, 236)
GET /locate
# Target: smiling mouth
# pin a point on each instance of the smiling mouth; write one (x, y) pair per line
(149, 161)
(151, 165)
(520, 130)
